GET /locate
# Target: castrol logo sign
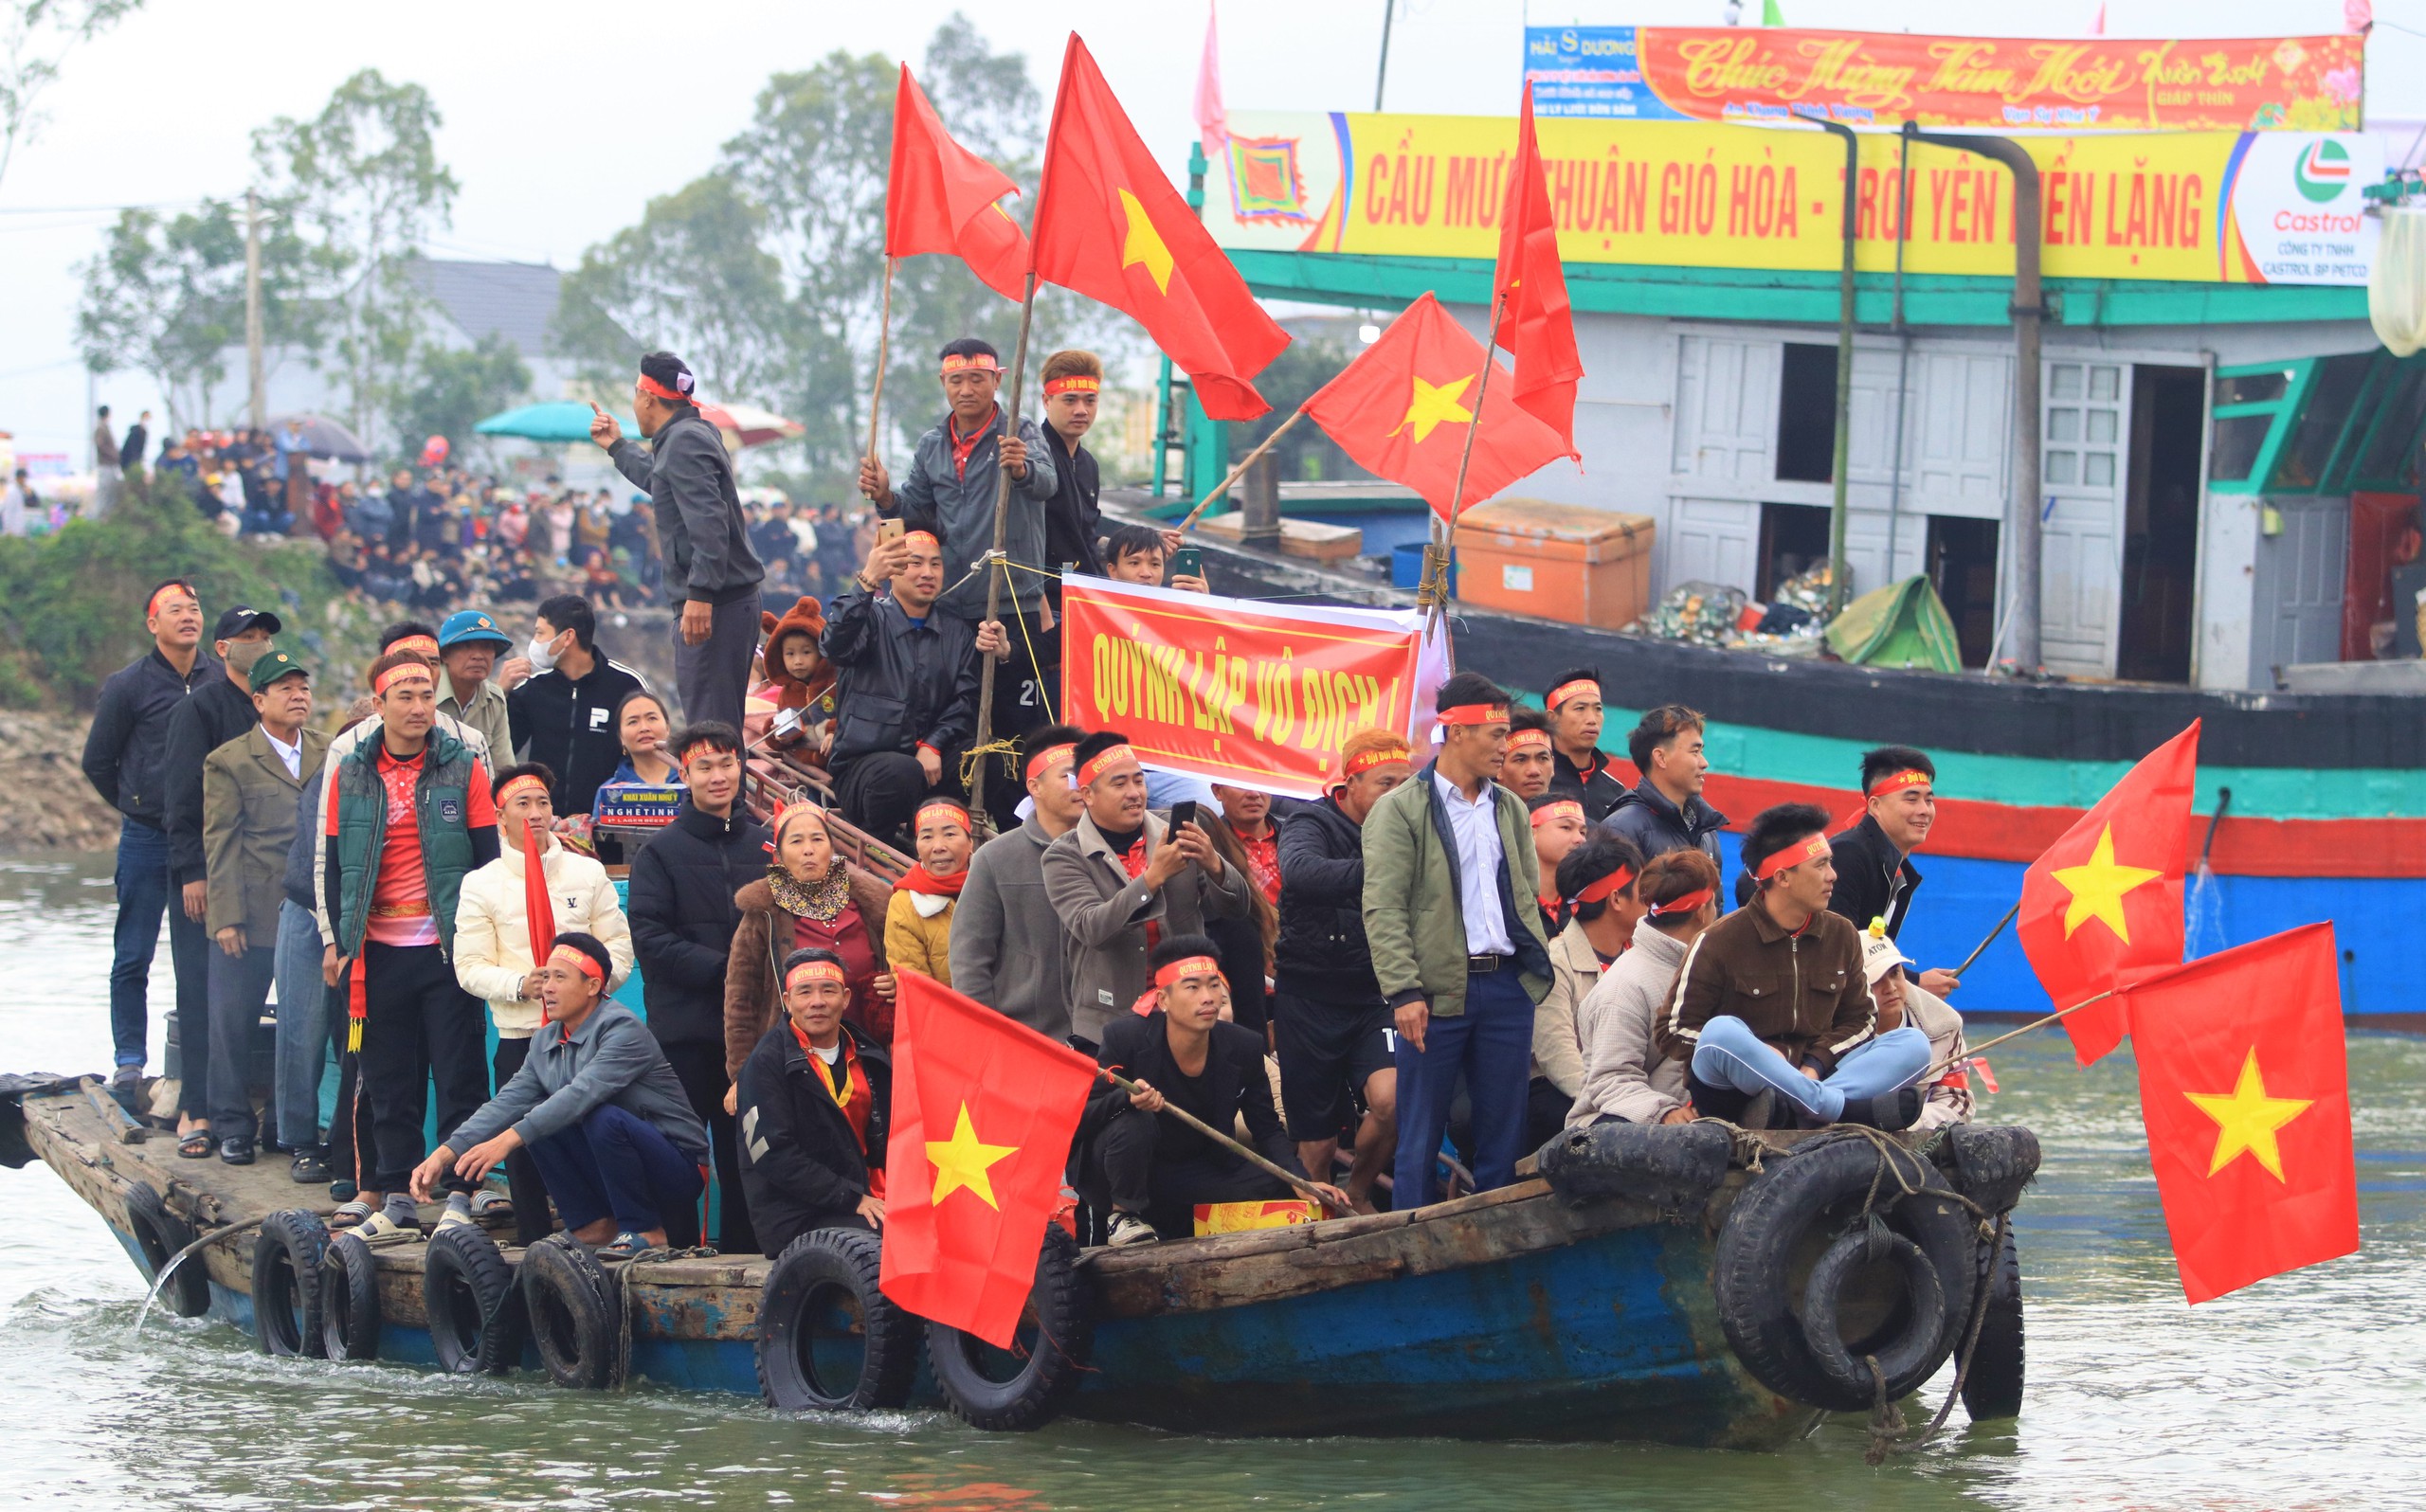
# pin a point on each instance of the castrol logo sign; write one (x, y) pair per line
(2298, 215)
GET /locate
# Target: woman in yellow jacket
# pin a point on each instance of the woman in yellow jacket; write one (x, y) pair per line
(918, 923)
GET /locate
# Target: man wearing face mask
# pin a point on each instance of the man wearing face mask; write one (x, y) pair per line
(564, 716)
(220, 710)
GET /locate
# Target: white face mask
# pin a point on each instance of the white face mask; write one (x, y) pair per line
(542, 651)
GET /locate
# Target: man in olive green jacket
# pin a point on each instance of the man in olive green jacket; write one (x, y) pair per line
(251, 788)
(1457, 946)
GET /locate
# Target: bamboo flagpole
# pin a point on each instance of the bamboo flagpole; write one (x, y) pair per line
(1458, 496)
(1982, 948)
(1298, 1182)
(1240, 471)
(994, 574)
(1937, 1070)
(883, 355)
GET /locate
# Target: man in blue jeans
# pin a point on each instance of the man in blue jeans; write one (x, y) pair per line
(123, 756)
(600, 1110)
(1771, 1005)
(1458, 950)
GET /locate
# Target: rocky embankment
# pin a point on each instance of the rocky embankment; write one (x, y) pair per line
(45, 804)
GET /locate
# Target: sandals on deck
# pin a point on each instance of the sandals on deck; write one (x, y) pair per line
(491, 1206)
(629, 1246)
(350, 1214)
(196, 1143)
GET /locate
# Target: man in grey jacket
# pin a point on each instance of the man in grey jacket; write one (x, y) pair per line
(1006, 942)
(600, 1110)
(711, 573)
(1123, 880)
(950, 490)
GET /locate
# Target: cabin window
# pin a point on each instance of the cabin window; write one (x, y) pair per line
(2326, 406)
(1807, 414)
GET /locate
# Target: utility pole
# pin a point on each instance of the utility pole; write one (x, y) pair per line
(259, 382)
(1381, 75)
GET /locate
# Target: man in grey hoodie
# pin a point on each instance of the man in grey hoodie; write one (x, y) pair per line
(1007, 942)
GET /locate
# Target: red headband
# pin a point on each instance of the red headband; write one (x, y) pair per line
(952, 803)
(1077, 383)
(816, 971)
(1608, 886)
(1097, 764)
(957, 362)
(1897, 782)
(914, 537)
(580, 961)
(398, 674)
(1571, 690)
(1186, 966)
(1365, 761)
(1810, 850)
(152, 606)
(782, 817)
(1473, 714)
(1528, 739)
(1038, 763)
(1559, 810)
(1686, 903)
(650, 386)
(419, 645)
(526, 782)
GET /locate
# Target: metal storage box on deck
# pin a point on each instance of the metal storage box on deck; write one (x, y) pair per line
(1557, 561)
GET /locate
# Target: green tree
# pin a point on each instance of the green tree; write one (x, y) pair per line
(166, 296)
(363, 182)
(454, 389)
(36, 36)
(1304, 453)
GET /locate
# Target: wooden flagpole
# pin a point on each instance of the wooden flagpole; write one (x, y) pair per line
(1298, 1182)
(1458, 496)
(1938, 1071)
(994, 572)
(1240, 471)
(883, 351)
(1983, 945)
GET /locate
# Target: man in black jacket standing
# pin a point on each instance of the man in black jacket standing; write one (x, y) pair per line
(815, 1105)
(1664, 812)
(1875, 877)
(563, 715)
(123, 756)
(1073, 389)
(712, 576)
(906, 692)
(682, 917)
(1330, 1023)
(1577, 766)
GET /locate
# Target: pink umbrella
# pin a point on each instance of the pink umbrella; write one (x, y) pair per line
(756, 427)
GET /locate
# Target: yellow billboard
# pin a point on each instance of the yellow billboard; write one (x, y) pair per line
(2202, 207)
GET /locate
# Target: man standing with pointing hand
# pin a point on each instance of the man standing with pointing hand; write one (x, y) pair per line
(710, 569)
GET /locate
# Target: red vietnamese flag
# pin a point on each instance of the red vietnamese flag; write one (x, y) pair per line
(940, 197)
(2245, 1085)
(1110, 225)
(984, 1109)
(1536, 327)
(2106, 898)
(1402, 407)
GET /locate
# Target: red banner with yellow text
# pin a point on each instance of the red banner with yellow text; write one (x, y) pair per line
(2007, 84)
(1234, 691)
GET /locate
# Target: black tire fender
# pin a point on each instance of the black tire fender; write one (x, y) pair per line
(349, 1299)
(1916, 1342)
(287, 1257)
(468, 1293)
(574, 1313)
(1057, 1333)
(1990, 1165)
(1789, 1217)
(1672, 1166)
(1992, 1387)
(821, 1299)
(160, 1234)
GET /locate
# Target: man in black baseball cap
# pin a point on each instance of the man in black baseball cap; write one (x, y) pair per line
(216, 712)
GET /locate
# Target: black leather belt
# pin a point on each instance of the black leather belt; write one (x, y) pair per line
(1480, 964)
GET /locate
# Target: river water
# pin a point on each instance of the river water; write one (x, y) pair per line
(2306, 1391)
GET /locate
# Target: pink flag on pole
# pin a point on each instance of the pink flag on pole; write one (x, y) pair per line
(1212, 122)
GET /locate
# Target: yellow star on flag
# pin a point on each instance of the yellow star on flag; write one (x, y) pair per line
(1436, 404)
(963, 1161)
(1144, 245)
(2246, 1119)
(2097, 886)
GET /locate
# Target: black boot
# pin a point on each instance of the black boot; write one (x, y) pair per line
(1898, 1109)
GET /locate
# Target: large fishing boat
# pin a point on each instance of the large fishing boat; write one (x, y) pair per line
(1698, 1285)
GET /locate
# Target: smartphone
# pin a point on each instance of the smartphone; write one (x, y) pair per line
(1187, 562)
(1183, 812)
(891, 530)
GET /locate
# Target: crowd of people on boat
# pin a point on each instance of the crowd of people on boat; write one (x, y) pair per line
(1390, 995)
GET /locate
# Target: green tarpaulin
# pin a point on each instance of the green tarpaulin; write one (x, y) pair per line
(1902, 624)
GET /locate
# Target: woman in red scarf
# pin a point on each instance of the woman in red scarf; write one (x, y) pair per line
(809, 897)
(917, 923)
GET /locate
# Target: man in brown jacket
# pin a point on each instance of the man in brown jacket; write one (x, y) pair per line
(1771, 999)
(1124, 880)
(251, 788)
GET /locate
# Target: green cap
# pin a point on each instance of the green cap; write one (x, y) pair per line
(273, 666)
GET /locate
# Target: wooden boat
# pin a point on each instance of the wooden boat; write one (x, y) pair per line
(1520, 1313)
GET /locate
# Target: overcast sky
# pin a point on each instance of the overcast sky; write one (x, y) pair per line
(563, 118)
